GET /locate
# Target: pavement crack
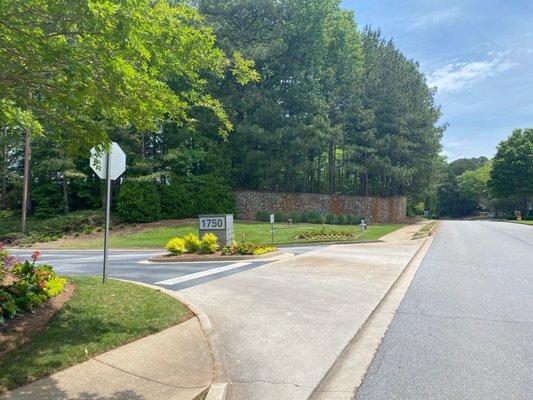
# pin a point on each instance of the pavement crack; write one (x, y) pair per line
(148, 379)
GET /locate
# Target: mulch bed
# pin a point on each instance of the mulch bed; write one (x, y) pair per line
(17, 331)
(209, 257)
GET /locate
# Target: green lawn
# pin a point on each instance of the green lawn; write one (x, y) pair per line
(257, 232)
(97, 318)
(523, 222)
(425, 230)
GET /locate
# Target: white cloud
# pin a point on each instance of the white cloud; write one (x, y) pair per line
(459, 143)
(456, 76)
(436, 17)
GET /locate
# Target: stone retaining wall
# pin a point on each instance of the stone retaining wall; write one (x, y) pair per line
(248, 203)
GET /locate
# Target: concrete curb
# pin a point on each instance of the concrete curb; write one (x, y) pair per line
(217, 391)
(165, 259)
(205, 322)
(343, 354)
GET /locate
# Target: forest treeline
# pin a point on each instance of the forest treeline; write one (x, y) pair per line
(332, 109)
(283, 95)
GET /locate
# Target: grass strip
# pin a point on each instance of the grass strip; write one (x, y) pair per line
(254, 232)
(425, 231)
(98, 318)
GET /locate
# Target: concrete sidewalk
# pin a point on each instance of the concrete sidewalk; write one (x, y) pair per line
(280, 327)
(405, 233)
(175, 364)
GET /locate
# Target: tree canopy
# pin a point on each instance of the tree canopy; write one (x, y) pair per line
(278, 95)
(512, 168)
(83, 67)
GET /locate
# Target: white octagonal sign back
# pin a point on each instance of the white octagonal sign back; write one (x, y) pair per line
(117, 161)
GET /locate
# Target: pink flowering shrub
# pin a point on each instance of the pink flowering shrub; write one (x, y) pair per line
(29, 285)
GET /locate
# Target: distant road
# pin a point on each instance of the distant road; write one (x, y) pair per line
(465, 328)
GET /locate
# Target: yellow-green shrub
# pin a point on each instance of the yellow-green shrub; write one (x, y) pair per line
(176, 246)
(54, 286)
(264, 250)
(192, 243)
(209, 244)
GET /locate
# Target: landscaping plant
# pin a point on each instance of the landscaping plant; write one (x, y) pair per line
(244, 248)
(176, 246)
(209, 244)
(192, 243)
(25, 285)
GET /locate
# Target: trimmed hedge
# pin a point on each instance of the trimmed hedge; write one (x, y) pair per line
(176, 200)
(312, 217)
(139, 202)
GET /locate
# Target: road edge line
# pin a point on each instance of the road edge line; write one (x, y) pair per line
(337, 364)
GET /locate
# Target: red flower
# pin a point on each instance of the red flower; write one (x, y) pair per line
(9, 261)
(41, 284)
(35, 256)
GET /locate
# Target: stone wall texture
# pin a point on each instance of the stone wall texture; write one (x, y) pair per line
(391, 209)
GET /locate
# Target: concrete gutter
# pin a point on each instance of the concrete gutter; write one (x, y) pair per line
(347, 373)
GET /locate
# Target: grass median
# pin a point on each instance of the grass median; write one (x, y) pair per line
(255, 232)
(97, 318)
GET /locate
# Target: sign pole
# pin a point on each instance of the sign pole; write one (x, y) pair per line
(107, 214)
(115, 165)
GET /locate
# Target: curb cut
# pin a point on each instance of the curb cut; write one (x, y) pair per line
(345, 351)
(217, 391)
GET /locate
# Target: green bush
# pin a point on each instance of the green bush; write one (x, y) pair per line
(340, 220)
(331, 218)
(263, 216)
(176, 246)
(32, 285)
(138, 202)
(192, 243)
(314, 218)
(211, 195)
(48, 200)
(280, 217)
(176, 200)
(209, 244)
(296, 217)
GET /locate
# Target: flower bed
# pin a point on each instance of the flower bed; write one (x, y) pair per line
(25, 285)
(208, 246)
(326, 235)
(244, 249)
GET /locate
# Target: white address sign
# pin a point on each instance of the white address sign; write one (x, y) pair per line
(212, 223)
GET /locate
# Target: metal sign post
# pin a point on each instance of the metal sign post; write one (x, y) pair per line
(109, 166)
(107, 217)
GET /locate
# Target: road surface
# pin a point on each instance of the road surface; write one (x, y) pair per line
(133, 265)
(464, 329)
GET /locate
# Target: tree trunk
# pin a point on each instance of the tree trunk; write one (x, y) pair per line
(64, 183)
(26, 184)
(4, 173)
(331, 165)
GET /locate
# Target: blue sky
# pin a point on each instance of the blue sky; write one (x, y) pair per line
(479, 54)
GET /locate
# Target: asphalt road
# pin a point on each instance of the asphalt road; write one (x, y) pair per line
(134, 265)
(464, 329)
